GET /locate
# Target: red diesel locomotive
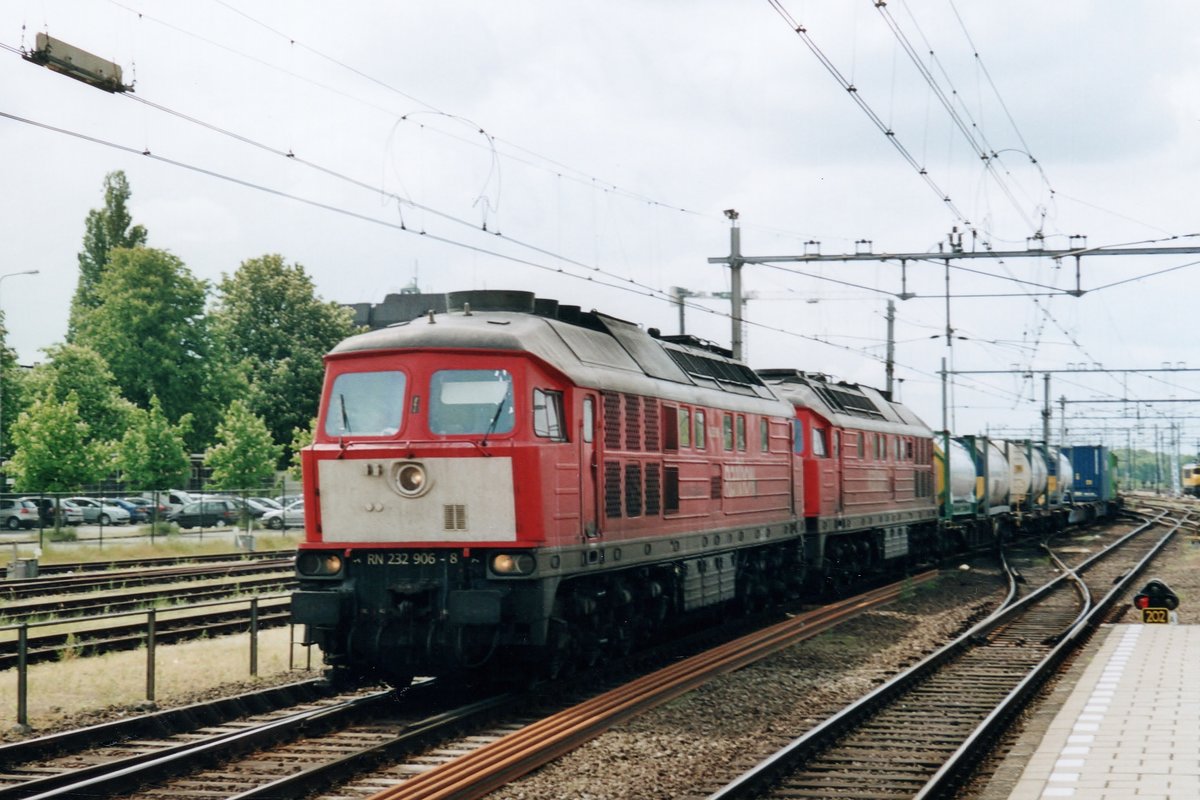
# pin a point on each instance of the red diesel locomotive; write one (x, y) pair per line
(521, 482)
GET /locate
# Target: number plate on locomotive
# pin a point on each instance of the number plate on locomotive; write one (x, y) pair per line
(419, 559)
(1156, 616)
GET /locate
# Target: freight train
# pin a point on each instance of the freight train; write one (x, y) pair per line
(523, 485)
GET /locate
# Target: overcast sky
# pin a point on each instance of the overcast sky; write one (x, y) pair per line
(600, 144)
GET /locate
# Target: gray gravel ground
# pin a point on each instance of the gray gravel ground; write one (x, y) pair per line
(703, 739)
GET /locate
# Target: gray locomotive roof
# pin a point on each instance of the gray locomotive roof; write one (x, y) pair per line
(606, 353)
(846, 404)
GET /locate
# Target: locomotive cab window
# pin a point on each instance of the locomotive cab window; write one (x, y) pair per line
(366, 404)
(471, 401)
(701, 440)
(797, 437)
(548, 415)
(727, 431)
(685, 427)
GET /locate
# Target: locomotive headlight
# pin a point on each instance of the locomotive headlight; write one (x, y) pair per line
(513, 563)
(410, 479)
(312, 564)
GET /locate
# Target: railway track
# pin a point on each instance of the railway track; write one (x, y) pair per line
(482, 743)
(114, 601)
(921, 734)
(77, 567)
(110, 632)
(134, 575)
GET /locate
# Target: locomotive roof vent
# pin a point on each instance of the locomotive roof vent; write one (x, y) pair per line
(491, 300)
(569, 314)
(545, 307)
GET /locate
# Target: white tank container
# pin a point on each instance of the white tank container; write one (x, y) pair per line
(1027, 469)
(962, 473)
(999, 475)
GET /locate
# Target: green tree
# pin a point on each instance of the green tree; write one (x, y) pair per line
(269, 320)
(151, 329)
(245, 454)
(105, 229)
(152, 453)
(13, 391)
(55, 451)
(79, 369)
(301, 438)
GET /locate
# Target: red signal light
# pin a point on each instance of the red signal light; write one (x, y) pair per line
(1141, 601)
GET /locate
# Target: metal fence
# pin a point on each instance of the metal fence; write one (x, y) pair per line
(56, 512)
(149, 638)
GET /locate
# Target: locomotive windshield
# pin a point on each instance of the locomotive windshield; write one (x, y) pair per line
(365, 404)
(474, 401)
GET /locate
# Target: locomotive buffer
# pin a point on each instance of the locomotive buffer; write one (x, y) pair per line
(1157, 603)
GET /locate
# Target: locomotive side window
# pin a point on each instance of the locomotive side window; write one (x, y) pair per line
(764, 436)
(701, 439)
(477, 401)
(670, 428)
(818, 443)
(589, 419)
(741, 432)
(547, 415)
(366, 404)
(727, 431)
(685, 427)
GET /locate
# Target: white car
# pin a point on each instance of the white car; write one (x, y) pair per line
(291, 516)
(173, 499)
(97, 511)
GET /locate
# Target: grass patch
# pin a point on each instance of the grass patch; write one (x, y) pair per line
(71, 692)
(163, 546)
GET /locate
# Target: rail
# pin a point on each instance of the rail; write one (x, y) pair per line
(820, 738)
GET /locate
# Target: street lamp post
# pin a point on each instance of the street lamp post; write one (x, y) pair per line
(2, 470)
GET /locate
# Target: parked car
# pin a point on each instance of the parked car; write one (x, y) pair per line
(147, 506)
(99, 511)
(69, 513)
(290, 517)
(137, 513)
(255, 508)
(17, 514)
(173, 499)
(207, 514)
(268, 503)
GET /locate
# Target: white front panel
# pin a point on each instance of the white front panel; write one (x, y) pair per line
(468, 500)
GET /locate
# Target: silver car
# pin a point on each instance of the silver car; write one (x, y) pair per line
(97, 511)
(290, 517)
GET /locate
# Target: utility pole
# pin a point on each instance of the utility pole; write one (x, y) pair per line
(890, 366)
(735, 281)
(1046, 412)
(678, 293)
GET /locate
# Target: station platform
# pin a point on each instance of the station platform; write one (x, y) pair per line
(1130, 728)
